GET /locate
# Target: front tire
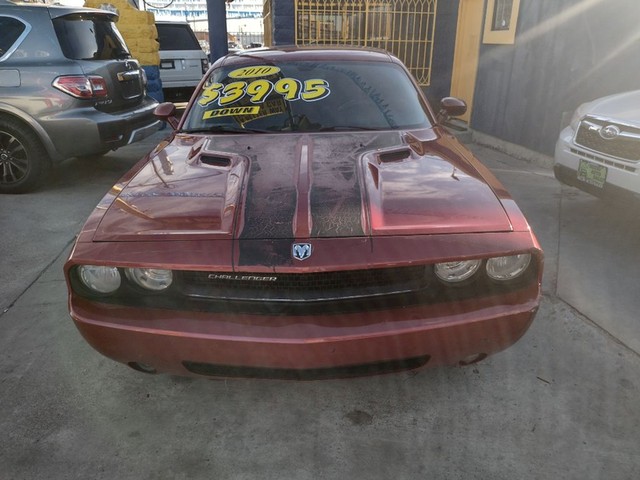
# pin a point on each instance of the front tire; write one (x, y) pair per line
(24, 162)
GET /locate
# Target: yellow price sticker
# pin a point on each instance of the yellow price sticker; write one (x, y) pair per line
(291, 89)
(231, 112)
(255, 71)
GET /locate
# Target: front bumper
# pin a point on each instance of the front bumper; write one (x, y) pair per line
(623, 176)
(175, 333)
(222, 344)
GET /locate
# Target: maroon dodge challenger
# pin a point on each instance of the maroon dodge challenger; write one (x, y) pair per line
(307, 218)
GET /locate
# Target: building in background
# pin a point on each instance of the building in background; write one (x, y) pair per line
(244, 19)
(522, 66)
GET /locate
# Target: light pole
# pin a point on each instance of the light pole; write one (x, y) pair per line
(217, 19)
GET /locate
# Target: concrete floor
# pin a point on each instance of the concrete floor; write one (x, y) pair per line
(562, 403)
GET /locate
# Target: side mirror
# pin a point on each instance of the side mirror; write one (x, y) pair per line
(452, 107)
(167, 111)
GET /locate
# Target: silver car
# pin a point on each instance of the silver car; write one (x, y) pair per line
(182, 60)
(68, 88)
(599, 152)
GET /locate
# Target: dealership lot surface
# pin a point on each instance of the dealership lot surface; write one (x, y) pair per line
(562, 403)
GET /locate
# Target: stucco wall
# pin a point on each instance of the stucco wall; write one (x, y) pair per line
(283, 22)
(443, 50)
(566, 52)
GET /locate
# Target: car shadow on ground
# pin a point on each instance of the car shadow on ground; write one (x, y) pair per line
(597, 262)
(101, 170)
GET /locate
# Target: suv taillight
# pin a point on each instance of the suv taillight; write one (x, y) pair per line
(205, 65)
(81, 86)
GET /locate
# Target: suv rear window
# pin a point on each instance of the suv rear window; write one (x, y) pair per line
(90, 37)
(176, 37)
(10, 31)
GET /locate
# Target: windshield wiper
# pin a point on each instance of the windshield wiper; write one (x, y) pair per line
(347, 128)
(226, 129)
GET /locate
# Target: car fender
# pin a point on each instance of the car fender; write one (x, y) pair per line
(11, 111)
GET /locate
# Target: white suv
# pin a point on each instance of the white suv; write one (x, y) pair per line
(599, 152)
(182, 61)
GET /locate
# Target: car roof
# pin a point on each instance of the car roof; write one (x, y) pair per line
(311, 52)
(58, 10)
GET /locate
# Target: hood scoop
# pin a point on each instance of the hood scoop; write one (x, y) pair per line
(394, 155)
(215, 161)
(182, 193)
(420, 190)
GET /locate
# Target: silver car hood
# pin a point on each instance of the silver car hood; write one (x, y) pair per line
(622, 107)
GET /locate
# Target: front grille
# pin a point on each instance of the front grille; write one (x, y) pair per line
(291, 287)
(320, 293)
(625, 146)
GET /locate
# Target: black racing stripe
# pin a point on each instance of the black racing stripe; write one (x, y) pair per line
(269, 210)
(269, 206)
(272, 253)
(336, 213)
(336, 203)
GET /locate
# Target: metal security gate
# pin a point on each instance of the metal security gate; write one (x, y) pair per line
(405, 28)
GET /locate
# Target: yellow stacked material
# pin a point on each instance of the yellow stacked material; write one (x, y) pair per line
(138, 29)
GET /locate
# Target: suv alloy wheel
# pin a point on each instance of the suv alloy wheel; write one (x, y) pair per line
(23, 160)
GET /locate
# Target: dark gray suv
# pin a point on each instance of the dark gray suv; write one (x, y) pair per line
(68, 88)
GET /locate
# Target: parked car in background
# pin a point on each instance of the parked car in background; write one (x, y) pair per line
(68, 88)
(309, 217)
(599, 152)
(234, 47)
(182, 60)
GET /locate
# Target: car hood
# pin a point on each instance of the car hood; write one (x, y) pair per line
(269, 186)
(622, 107)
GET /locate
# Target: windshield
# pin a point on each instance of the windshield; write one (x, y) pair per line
(176, 37)
(308, 96)
(90, 37)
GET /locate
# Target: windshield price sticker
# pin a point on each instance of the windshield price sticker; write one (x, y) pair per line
(255, 71)
(258, 90)
(249, 113)
(231, 112)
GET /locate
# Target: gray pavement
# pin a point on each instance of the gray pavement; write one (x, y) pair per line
(591, 245)
(562, 403)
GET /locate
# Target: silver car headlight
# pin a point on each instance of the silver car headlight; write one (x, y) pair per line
(154, 279)
(454, 272)
(100, 279)
(580, 112)
(508, 268)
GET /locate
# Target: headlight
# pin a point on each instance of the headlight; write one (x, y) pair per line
(508, 268)
(150, 278)
(454, 272)
(100, 279)
(580, 112)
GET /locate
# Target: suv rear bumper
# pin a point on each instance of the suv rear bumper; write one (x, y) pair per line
(81, 132)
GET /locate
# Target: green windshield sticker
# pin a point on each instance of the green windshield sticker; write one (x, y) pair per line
(258, 90)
